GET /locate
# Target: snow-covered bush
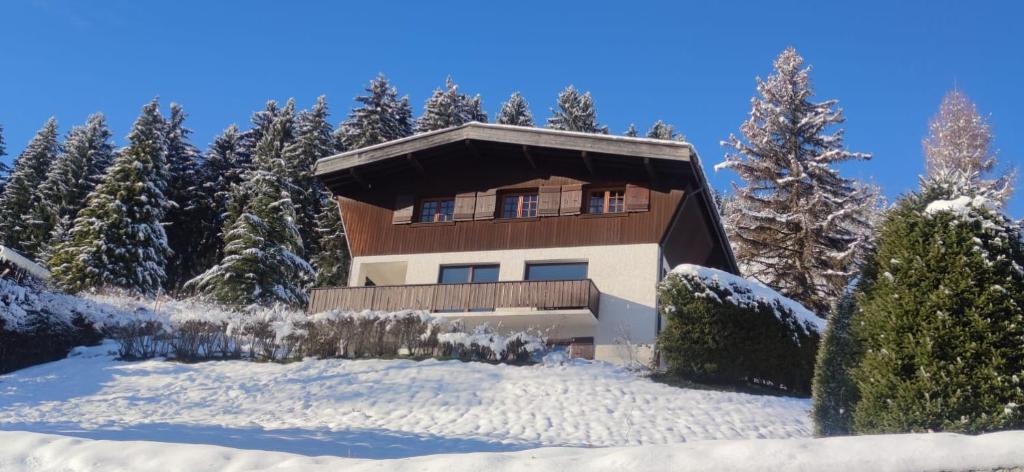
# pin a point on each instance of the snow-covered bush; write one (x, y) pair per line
(724, 328)
(485, 344)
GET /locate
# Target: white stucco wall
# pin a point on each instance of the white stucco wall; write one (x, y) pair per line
(626, 275)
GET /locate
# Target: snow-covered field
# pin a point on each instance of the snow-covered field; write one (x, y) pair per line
(92, 413)
(33, 452)
(378, 408)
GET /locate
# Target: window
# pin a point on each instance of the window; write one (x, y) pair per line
(607, 201)
(437, 210)
(468, 274)
(556, 271)
(519, 205)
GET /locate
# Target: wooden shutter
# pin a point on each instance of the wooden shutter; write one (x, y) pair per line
(572, 199)
(637, 198)
(549, 200)
(485, 202)
(404, 205)
(465, 203)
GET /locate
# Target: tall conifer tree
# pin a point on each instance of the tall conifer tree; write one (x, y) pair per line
(515, 112)
(29, 172)
(118, 240)
(314, 140)
(631, 131)
(4, 170)
(575, 112)
(662, 130)
(78, 169)
(958, 150)
(447, 108)
(186, 216)
(796, 224)
(262, 244)
(381, 116)
(332, 261)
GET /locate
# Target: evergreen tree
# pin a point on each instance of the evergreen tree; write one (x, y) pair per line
(29, 172)
(381, 117)
(447, 108)
(223, 168)
(796, 225)
(77, 170)
(958, 150)
(118, 240)
(834, 392)
(942, 323)
(631, 131)
(661, 130)
(575, 112)
(332, 261)
(261, 263)
(186, 216)
(4, 170)
(261, 121)
(515, 112)
(314, 141)
(239, 196)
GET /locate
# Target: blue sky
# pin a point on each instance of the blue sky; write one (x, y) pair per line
(691, 64)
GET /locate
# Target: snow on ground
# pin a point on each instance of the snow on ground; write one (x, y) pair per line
(378, 408)
(32, 452)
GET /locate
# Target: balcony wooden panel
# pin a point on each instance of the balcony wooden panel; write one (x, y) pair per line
(528, 294)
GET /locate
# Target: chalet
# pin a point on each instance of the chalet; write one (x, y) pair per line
(524, 228)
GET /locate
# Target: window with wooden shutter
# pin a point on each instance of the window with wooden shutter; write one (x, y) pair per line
(404, 206)
(637, 198)
(572, 199)
(550, 199)
(485, 202)
(465, 206)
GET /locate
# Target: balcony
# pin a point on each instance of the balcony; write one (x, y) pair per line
(526, 297)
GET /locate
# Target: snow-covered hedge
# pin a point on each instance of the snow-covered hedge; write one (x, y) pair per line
(724, 328)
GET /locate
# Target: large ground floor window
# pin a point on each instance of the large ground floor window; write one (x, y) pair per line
(556, 271)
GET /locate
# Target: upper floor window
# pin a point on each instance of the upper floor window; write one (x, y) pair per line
(436, 210)
(607, 201)
(519, 205)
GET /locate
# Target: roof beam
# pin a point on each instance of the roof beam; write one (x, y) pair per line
(358, 178)
(416, 164)
(589, 162)
(473, 149)
(649, 167)
(529, 157)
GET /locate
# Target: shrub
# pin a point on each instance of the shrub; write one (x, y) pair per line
(725, 329)
(834, 392)
(942, 323)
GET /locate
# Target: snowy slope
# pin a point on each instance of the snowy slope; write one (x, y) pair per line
(31, 452)
(378, 408)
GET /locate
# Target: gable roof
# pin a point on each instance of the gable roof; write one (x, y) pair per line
(508, 134)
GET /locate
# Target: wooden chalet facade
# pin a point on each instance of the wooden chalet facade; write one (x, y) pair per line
(523, 227)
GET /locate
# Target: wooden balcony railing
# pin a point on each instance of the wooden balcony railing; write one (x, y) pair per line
(540, 295)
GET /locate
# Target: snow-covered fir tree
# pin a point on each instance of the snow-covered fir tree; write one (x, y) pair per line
(185, 218)
(222, 169)
(447, 108)
(381, 116)
(332, 261)
(4, 170)
(313, 141)
(631, 131)
(29, 172)
(958, 150)
(515, 112)
(78, 169)
(662, 130)
(261, 121)
(796, 224)
(262, 244)
(239, 195)
(575, 112)
(118, 240)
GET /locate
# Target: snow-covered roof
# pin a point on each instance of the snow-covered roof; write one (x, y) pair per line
(509, 134)
(35, 270)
